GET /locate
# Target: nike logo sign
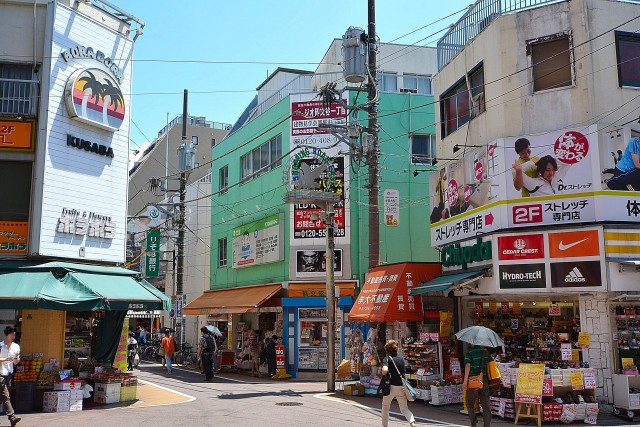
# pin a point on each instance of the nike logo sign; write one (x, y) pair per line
(564, 247)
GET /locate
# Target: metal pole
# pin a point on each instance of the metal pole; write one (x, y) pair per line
(331, 306)
(180, 242)
(372, 159)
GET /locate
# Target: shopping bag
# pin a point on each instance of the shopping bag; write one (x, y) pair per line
(409, 391)
(495, 377)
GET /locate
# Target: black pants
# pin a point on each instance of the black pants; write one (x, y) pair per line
(4, 395)
(271, 363)
(207, 360)
(130, 359)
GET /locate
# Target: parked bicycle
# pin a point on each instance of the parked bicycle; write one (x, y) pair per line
(186, 357)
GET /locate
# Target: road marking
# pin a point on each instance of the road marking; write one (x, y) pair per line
(327, 396)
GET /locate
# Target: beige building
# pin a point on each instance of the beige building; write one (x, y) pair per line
(146, 176)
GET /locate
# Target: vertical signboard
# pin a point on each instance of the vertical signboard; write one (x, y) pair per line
(391, 207)
(120, 362)
(281, 361)
(152, 254)
(179, 305)
(530, 383)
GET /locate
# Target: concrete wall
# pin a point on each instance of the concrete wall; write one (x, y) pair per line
(19, 31)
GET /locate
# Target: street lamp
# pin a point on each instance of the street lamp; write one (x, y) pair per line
(456, 147)
(326, 201)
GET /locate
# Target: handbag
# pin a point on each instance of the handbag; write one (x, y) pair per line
(384, 389)
(475, 382)
(161, 351)
(495, 377)
(408, 390)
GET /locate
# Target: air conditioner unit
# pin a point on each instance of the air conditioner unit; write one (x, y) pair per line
(403, 90)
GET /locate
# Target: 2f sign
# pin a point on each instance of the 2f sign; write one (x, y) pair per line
(528, 214)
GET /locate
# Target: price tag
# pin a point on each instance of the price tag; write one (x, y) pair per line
(505, 308)
(565, 351)
(420, 372)
(493, 307)
(547, 388)
(591, 416)
(568, 414)
(554, 310)
(584, 339)
(577, 383)
(479, 307)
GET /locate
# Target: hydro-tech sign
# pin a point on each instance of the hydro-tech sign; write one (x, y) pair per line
(521, 247)
(457, 255)
(93, 96)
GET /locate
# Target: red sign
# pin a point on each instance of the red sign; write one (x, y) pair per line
(281, 360)
(451, 193)
(554, 310)
(491, 150)
(478, 171)
(527, 246)
(15, 135)
(526, 214)
(505, 308)
(547, 387)
(571, 147)
(467, 193)
(479, 307)
(13, 237)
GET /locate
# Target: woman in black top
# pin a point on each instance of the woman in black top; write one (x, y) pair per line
(397, 392)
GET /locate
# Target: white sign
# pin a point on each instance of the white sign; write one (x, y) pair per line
(391, 208)
(258, 242)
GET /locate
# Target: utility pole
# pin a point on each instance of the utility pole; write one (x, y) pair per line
(372, 158)
(331, 299)
(184, 166)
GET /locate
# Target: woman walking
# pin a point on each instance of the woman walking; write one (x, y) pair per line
(393, 365)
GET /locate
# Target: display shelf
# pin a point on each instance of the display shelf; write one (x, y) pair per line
(623, 398)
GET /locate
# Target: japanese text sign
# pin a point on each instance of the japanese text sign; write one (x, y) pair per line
(584, 339)
(13, 237)
(152, 253)
(530, 382)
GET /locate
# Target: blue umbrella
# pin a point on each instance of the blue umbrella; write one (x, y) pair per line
(479, 335)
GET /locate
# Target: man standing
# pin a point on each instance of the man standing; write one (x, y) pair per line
(523, 149)
(169, 345)
(271, 355)
(143, 336)
(206, 348)
(132, 349)
(9, 356)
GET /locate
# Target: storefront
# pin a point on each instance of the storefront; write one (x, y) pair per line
(385, 309)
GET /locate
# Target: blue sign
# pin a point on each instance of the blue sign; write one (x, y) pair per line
(179, 306)
(172, 313)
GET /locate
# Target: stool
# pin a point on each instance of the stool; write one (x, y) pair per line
(529, 407)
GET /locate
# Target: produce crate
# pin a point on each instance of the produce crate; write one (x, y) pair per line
(128, 393)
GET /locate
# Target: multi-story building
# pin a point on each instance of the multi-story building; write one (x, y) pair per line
(268, 265)
(538, 203)
(65, 84)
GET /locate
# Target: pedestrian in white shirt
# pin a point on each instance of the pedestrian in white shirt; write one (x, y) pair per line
(9, 356)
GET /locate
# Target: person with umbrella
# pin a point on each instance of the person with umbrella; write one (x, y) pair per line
(476, 363)
(215, 334)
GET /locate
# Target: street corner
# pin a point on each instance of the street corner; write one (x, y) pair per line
(150, 394)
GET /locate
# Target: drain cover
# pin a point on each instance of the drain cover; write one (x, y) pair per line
(289, 404)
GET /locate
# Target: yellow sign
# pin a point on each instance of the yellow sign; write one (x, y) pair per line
(529, 384)
(13, 237)
(577, 382)
(493, 307)
(516, 308)
(120, 362)
(627, 363)
(15, 135)
(584, 339)
(445, 323)
(575, 355)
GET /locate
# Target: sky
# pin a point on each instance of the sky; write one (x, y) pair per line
(221, 51)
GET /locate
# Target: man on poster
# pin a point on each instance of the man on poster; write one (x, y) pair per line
(626, 174)
(523, 149)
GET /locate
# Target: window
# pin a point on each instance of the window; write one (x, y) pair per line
(262, 159)
(388, 82)
(213, 142)
(423, 148)
(416, 84)
(628, 57)
(222, 252)
(223, 175)
(15, 185)
(551, 63)
(458, 106)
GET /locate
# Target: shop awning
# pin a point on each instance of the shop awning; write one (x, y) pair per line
(385, 294)
(446, 282)
(235, 300)
(76, 287)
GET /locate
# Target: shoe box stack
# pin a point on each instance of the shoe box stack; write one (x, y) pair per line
(446, 395)
(503, 407)
(107, 393)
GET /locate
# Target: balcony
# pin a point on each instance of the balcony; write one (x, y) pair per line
(18, 98)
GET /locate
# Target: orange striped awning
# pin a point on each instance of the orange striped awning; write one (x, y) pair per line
(234, 300)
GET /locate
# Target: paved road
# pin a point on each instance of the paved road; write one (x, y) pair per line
(237, 400)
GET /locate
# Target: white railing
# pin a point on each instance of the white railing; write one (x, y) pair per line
(18, 97)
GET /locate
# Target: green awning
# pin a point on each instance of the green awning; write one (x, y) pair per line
(445, 282)
(76, 287)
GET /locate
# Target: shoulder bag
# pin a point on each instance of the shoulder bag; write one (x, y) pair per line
(475, 382)
(495, 377)
(409, 391)
(384, 389)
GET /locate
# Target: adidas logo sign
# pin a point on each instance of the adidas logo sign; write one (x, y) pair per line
(574, 276)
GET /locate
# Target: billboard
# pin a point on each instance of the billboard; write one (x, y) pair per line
(258, 242)
(557, 178)
(313, 263)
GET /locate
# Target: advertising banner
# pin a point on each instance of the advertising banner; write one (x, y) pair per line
(258, 242)
(308, 115)
(529, 246)
(120, 361)
(281, 361)
(530, 383)
(522, 276)
(16, 135)
(560, 177)
(391, 207)
(446, 317)
(152, 254)
(571, 244)
(13, 237)
(576, 274)
(312, 263)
